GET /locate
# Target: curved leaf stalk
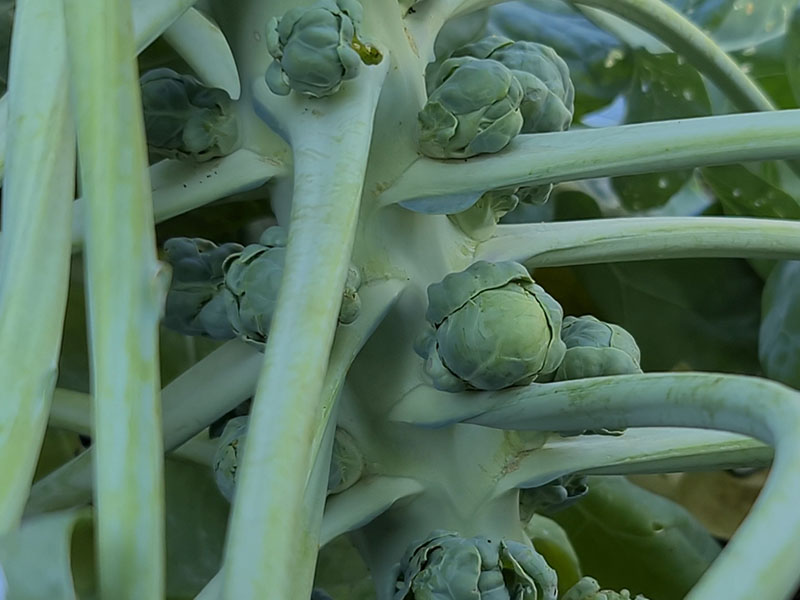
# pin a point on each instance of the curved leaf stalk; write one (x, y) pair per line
(201, 43)
(534, 159)
(688, 40)
(286, 414)
(611, 240)
(191, 402)
(179, 186)
(767, 541)
(34, 263)
(125, 292)
(636, 451)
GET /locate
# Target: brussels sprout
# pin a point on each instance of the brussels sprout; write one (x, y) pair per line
(317, 48)
(596, 348)
(588, 589)
(446, 566)
(474, 109)
(491, 327)
(347, 464)
(552, 542)
(228, 455)
(253, 278)
(184, 119)
(553, 496)
(548, 93)
(194, 304)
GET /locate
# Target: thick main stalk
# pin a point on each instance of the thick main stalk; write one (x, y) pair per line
(268, 545)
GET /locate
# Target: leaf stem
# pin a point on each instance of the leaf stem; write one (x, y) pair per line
(534, 159)
(641, 238)
(34, 255)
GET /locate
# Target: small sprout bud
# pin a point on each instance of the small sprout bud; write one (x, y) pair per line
(595, 349)
(184, 119)
(229, 455)
(317, 48)
(553, 496)
(446, 566)
(347, 463)
(588, 589)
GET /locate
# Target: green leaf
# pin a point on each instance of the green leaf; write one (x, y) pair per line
(664, 87)
(738, 24)
(779, 336)
(792, 54)
(51, 556)
(627, 537)
(743, 193)
(599, 64)
(699, 314)
(342, 573)
(552, 542)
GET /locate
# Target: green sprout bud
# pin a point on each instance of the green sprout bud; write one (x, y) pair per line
(553, 496)
(492, 327)
(184, 119)
(229, 454)
(446, 566)
(252, 281)
(474, 109)
(588, 589)
(194, 304)
(317, 48)
(595, 349)
(347, 463)
(548, 93)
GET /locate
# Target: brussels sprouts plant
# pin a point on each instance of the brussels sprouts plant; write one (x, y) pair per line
(394, 299)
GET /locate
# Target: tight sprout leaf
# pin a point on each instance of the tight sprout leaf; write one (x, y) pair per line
(446, 566)
(595, 349)
(186, 120)
(229, 455)
(317, 48)
(588, 589)
(194, 303)
(347, 463)
(474, 109)
(552, 497)
(548, 94)
(491, 327)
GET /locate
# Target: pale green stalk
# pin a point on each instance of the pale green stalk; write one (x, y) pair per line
(201, 43)
(267, 546)
(125, 296)
(34, 256)
(685, 38)
(651, 450)
(766, 543)
(641, 238)
(203, 393)
(606, 152)
(71, 410)
(180, 186)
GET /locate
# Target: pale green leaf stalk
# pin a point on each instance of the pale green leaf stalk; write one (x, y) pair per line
(201, 43)
(612, 240)
(125, 290)
(541, 158)
(766, 541)
(286, 412)
(37, 201)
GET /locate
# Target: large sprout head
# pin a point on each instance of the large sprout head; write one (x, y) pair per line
(317, 48)
(596, 348)
(474, 109)
(446, 566)
(491, 327)
(195, 305)
(548, 92)
(185, 119)
(588, 589)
